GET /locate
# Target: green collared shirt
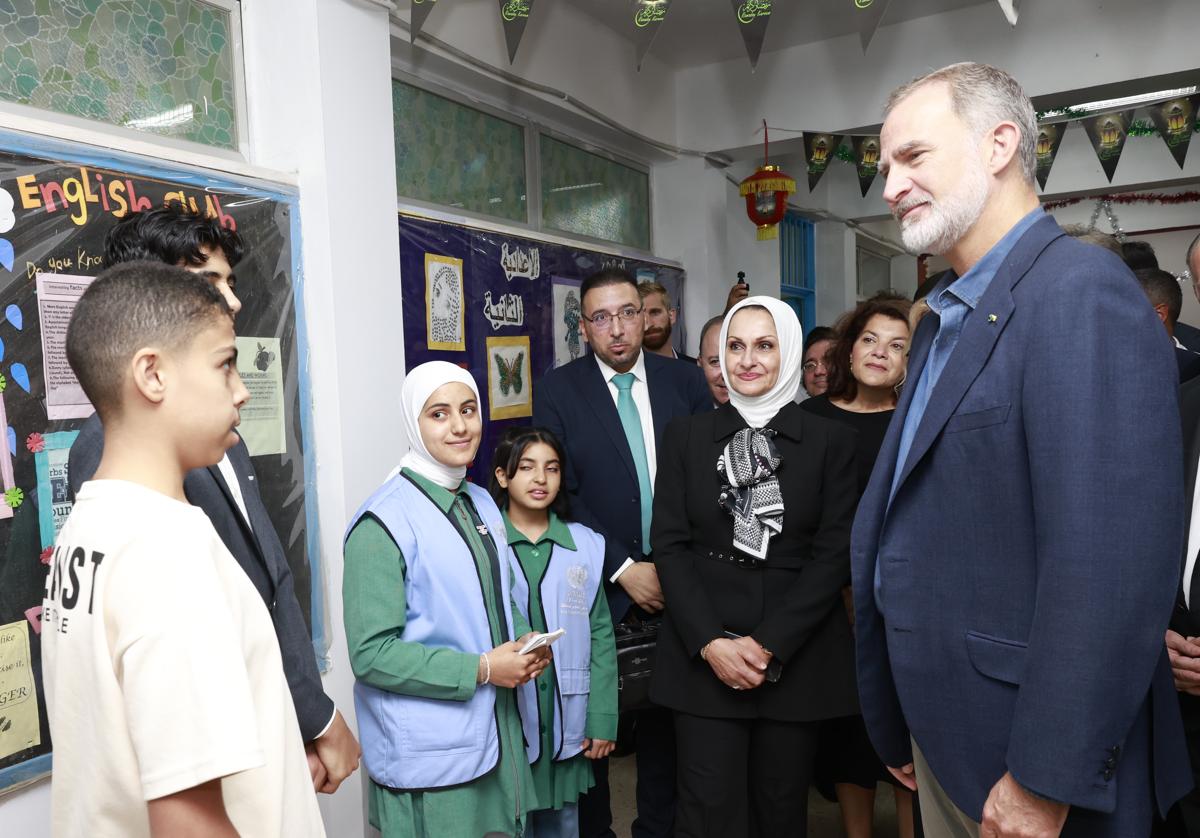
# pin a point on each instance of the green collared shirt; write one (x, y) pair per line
(561, 783)
(375, 606)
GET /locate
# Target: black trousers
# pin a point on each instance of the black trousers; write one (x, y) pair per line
(1183, 820)
(743, 778)
(654, 743)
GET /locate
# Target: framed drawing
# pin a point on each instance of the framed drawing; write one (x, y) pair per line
(510, 390)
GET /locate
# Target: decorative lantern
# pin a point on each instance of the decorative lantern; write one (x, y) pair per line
(766, 193)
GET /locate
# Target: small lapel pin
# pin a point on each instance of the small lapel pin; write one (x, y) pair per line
(482, 529)
(992, 318)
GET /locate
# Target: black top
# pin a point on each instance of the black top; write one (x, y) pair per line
(871, 427)
(792, 606)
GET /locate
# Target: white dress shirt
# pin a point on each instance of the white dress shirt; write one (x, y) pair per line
(235, 488)
(1193, 544)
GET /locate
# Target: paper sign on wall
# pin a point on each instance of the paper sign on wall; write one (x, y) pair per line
(19, 727)
(57, 295)
(260, 364)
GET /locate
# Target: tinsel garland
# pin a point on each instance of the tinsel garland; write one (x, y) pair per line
(1128, 198)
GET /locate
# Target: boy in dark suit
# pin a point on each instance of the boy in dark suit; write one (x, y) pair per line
(228, 492)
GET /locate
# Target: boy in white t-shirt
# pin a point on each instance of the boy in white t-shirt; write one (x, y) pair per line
(167, 700)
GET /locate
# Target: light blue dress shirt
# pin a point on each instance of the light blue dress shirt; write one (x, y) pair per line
(952, 300)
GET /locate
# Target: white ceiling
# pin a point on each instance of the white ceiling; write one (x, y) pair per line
(703, 31)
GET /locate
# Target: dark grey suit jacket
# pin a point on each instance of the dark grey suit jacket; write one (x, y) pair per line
(257, 549)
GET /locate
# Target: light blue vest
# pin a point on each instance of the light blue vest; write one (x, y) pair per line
(568, 590)
(423, 743)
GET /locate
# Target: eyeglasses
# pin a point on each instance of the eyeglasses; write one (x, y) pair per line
(603, 320)
(809, 366)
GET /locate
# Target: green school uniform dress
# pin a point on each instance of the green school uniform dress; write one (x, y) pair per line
(375, 616)
(561, 783)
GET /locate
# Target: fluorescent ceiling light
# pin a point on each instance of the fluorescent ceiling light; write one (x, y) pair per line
(1124, 102)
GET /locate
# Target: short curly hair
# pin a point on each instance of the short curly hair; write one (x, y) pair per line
(841, 383)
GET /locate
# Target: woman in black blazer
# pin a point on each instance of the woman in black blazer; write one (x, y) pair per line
(753, 505)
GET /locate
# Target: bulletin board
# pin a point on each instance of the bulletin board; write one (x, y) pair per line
(506, 308)
(57, 201)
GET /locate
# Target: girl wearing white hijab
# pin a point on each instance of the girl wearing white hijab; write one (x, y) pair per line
(752, 511)
(430, 628)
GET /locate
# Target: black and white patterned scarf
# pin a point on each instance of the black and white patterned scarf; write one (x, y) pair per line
(749, 489)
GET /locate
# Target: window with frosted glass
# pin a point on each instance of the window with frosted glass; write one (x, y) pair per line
(163, 66)
(591, 195)
(450, 154)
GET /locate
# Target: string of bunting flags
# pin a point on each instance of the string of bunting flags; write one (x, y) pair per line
(646, 17)
(1174, 120)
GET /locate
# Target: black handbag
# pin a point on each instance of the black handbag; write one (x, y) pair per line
(637, 642)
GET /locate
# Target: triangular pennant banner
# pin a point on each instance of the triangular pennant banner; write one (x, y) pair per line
(1011, 9)
(752, 18)
(514, 14)
(1175, 119)
(1049, 138)
(1108, 132)
(420, 11)
(869, 14)
(866, 160)
(819, 149)
(648, 15)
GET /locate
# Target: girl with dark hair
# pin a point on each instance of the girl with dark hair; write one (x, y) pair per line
(866, 367)
(557, 569)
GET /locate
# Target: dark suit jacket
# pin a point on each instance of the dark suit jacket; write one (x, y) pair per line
(1029, 558)
(792, 606)
(1186, 621)
(1189, 364)
(574, 402)
(1188, 335)
(256, 548)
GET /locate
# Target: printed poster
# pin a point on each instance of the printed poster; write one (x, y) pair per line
(510, 390)
(444, 303)
(568, 314)
(19, 721)
(57, 295)
(50, 462)
(260, 364)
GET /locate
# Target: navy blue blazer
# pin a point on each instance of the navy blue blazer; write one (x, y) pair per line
(575, 403)
(257, 549)
(1030, 557)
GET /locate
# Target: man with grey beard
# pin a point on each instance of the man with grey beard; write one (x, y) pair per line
(1016, 553)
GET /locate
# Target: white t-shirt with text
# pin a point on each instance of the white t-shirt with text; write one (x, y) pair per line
(162, 672)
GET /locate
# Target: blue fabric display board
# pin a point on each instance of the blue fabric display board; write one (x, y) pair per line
(505, 307)
(57, 202)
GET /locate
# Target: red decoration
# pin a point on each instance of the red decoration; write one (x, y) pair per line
(47, 554)
(35, 443)
(766, 194)
(1129, 198)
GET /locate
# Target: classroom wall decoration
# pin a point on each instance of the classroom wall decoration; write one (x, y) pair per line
(521, 311)
(57, 202)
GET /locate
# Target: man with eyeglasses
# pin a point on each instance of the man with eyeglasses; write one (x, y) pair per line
(609, 408)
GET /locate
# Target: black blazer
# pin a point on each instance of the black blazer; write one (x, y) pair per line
(256, 548)
(575, 403)
(793, 606)
(1183, 620)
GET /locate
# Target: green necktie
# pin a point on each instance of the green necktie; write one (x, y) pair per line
(631, 422)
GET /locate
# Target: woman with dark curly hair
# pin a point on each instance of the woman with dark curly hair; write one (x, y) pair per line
(866, 366)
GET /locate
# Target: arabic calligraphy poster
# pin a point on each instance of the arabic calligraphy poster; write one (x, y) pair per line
(568, 311)
(513, 288)
(510, 390)
(444, 303)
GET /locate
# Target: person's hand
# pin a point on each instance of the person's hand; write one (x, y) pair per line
(598, 748)
(315, 768)
(640, 581)
(1184, 653)
(1012, 812)
(545, 654)
(339, 753)
(737, 293)
(509, 668)
(906, 775)
(734, 664)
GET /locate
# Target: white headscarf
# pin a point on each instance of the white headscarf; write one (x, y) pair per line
(419, 385)
(759, 410)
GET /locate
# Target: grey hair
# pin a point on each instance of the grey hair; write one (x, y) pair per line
(983, 96)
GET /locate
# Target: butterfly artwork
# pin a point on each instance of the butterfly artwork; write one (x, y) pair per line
(509, 372)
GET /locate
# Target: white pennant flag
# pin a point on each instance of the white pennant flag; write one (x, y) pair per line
(1011, 9)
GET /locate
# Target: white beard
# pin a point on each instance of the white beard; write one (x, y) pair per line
(948, 220)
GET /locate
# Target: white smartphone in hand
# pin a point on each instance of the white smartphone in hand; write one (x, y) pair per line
(540, 640)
